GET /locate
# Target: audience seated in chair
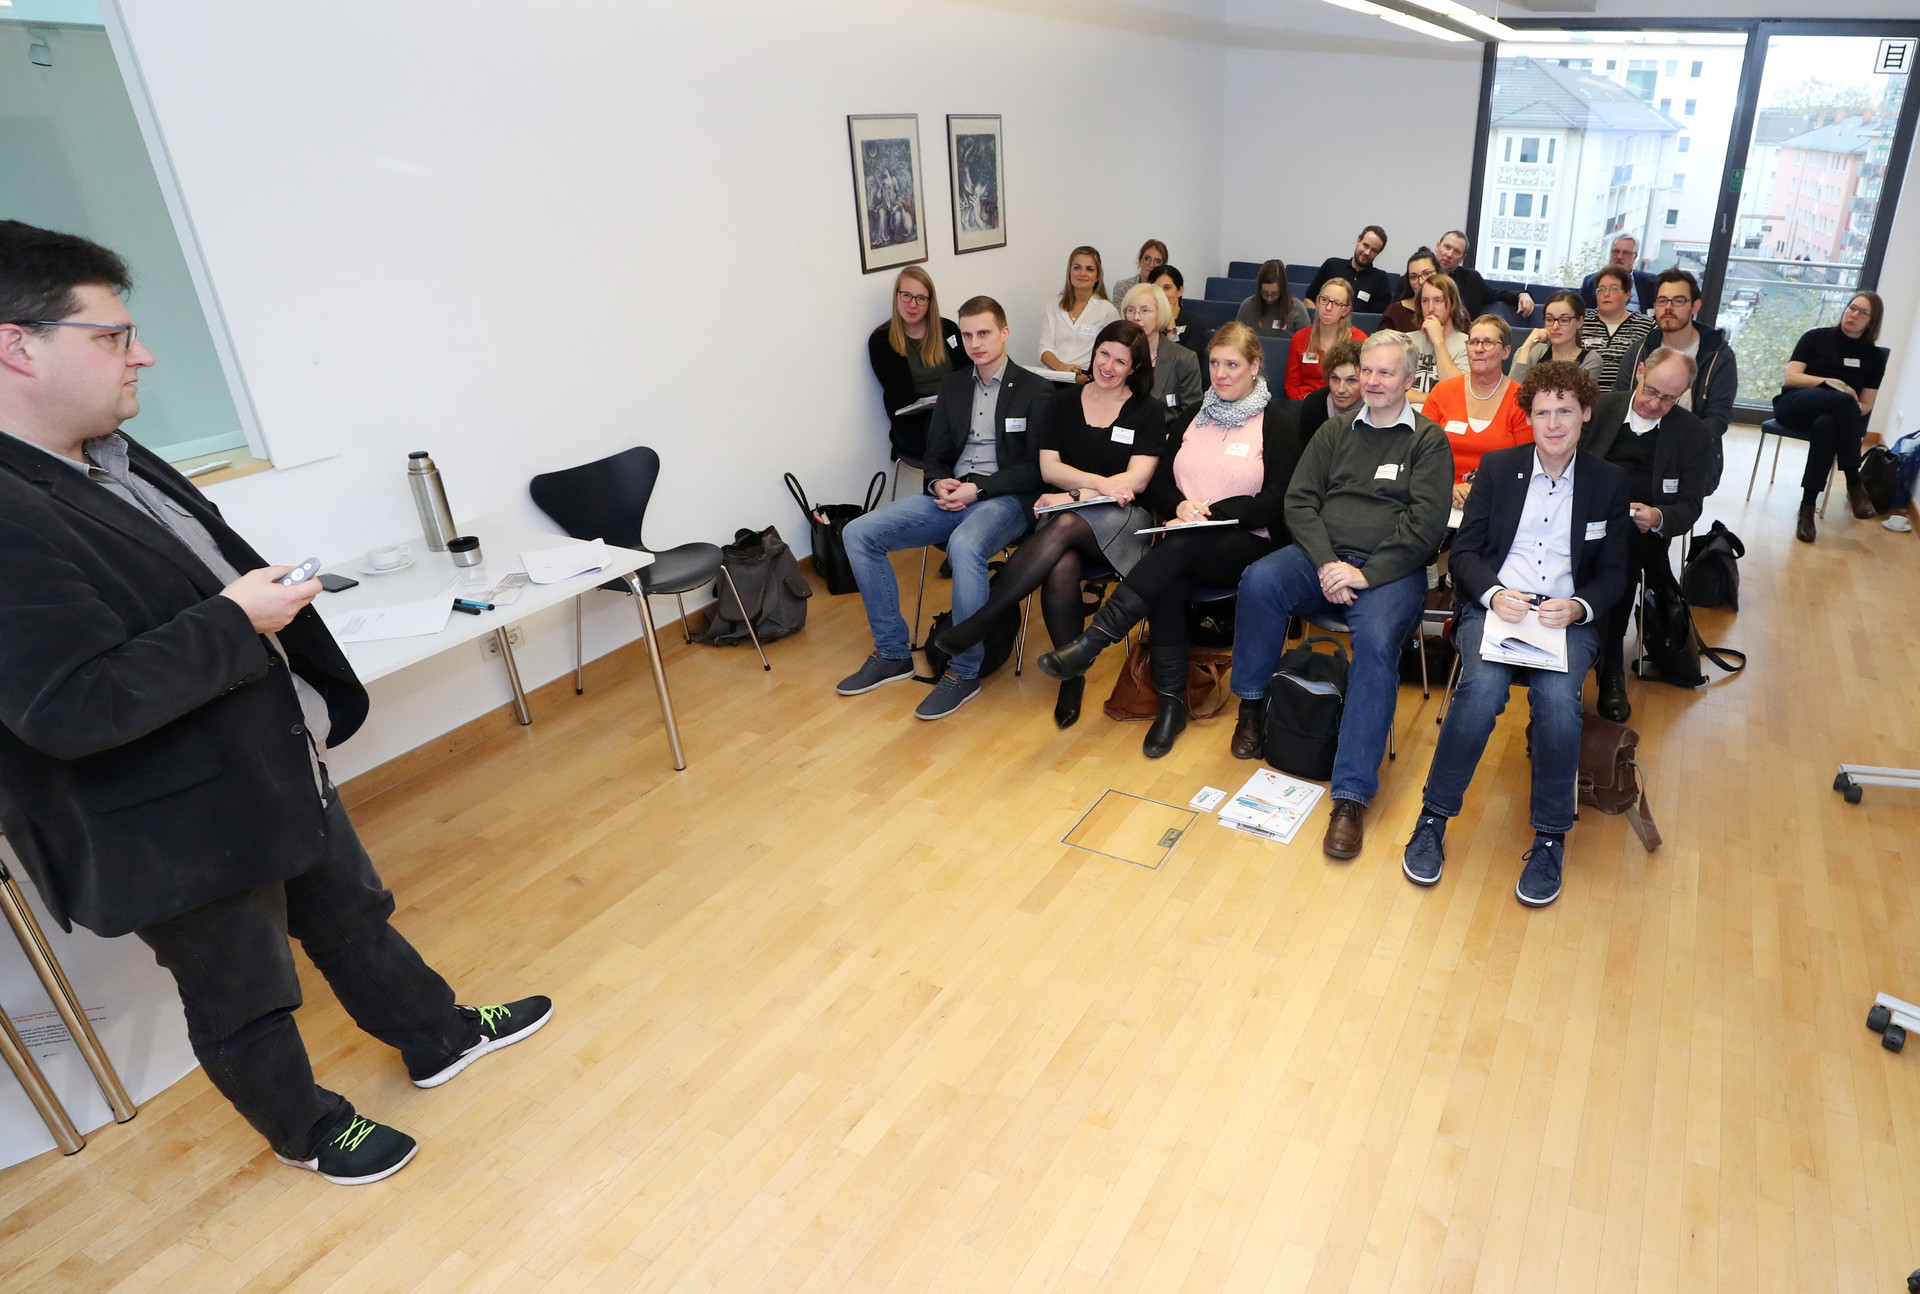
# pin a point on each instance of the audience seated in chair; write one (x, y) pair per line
(1474, 290)
(1669, 457)
(1070, 325)
(1105, 438)
(912, 354)
(1828, 395)
(1478, 410)
(1341, 394)
(1440, 343)
(1558, 338)
(982, 475)
(1271, 311)
(1232, 462)
(1545, 534)
(1639, 284)
(1403, 312)
(1153, 254)
(1173, 284)
(1716, 376)
(1332, 309)
(1177, 386)
(1367, 509)
(1612, 329)
(1372, 286)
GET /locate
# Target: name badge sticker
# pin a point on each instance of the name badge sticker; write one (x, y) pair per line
(1123, 435)
(1311, 357)
(1016, 425)
(1456, 428)
(1851, 362)
(1364, 296)
(1240, 450)
(1173, 400)
(1670, 485)
(1596, 530)
(1387, 472)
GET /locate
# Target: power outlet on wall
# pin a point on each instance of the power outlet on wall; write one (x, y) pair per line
(490, 646)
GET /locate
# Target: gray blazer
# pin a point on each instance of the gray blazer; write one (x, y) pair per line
(1177, 384)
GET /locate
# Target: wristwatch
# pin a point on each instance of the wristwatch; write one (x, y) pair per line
(1074, 495)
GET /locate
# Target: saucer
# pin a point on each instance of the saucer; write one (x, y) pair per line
(384, 570)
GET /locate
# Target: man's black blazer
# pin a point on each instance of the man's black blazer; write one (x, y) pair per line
(1021, 417)
(1685, 457)
(1492, 518)
(1644, 284)
(153, 756)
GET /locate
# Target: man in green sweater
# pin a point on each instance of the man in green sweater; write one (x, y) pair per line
(1367, 510)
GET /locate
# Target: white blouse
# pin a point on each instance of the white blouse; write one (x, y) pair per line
(1071, 342)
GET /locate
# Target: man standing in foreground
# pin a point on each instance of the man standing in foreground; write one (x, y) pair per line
(163, 706)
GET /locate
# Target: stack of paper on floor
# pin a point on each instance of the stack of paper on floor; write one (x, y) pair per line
(1271, 805)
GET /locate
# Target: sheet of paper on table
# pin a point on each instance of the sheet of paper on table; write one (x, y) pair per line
(552, 565)
(1271, 805)
(406, 620)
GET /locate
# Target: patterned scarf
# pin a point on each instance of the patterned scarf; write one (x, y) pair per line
(1233, 413)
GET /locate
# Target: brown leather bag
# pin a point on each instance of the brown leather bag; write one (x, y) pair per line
(1612, 778)
(1133, 697)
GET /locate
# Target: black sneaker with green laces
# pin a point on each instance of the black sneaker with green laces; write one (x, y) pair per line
(363, 1151)
(499, 1026)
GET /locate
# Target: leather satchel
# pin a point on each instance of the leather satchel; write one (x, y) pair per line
(1612, 778)
(1133, 697)
(1673, 647)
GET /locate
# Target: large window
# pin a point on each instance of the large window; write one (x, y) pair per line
(73, 157)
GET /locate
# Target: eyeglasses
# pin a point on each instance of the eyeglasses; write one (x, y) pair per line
(1483, 342)
(1860, 310)
(913, 298)
(1654, 394)
(1563, 319)
(1681, 302)
(128, 333)
(1333, 302)
(1420, 276)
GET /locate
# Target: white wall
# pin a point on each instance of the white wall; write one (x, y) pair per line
(526, 239)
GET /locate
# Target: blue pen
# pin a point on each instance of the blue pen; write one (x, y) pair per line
(470, 604)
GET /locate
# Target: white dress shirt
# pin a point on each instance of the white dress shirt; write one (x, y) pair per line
(1071, 341)
(1541, 559)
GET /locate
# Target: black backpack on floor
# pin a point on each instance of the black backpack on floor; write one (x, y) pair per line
(1301, 725)
(998, 644)
(1711, 577)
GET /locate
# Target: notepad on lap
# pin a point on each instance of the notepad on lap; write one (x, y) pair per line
(1183, 525)
(1528, 643)
(1070, 505)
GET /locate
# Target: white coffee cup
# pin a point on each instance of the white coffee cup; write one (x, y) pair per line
(385, 559)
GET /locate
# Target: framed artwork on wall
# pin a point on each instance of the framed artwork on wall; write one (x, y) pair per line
(976, 161)
(889, 199)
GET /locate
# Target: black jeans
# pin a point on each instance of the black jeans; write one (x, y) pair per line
(237, 981)
(1172, 569)
(1833, 425)
(1645, 551)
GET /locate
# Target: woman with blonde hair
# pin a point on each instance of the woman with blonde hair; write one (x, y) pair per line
(1232, 463)
(1305, 357)
(1071, 324)
(1440, 343)
(912, 354)
(1177, 387)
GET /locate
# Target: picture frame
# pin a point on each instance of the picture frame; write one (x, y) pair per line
(977, 168)
(889, 197)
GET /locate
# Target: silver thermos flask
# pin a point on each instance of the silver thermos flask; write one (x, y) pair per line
(430, 500)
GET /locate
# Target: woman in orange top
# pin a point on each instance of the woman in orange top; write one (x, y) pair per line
(1478, 410)
(1331, 309)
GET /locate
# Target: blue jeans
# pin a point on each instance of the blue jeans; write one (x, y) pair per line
(1286, 584)
(971, 535)
(1553, 699)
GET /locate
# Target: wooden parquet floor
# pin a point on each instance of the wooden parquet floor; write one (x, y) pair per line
(837, 1012)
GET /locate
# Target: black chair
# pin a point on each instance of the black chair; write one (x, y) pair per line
(607, 499)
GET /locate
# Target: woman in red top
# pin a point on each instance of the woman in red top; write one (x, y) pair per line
(1329, 325)
(1478, 410)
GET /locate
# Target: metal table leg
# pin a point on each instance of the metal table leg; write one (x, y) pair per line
(33, 941)
(513, 674)
(52, 1113)
(659, 670)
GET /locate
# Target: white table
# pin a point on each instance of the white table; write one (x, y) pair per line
(501, 543)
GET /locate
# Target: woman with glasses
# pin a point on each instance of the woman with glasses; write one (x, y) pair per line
(1332, 309)
(1271, 311)
(1611, 328)
(1832, 381)
(1478, 409)
(912, 354)
(1559, 339)
(1341, 394)
(1440, 342)
(1104, 442)
(1071, 324)
(1153, 254)
(1177, 387)
(1403, 315)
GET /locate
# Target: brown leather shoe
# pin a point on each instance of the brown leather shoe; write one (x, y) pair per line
(1803, 528)
(1857, 499)
(1246, 731)
(1344, 829)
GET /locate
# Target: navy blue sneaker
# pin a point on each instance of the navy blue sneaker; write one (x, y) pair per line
(1425, 852)
(1540, 882)
(948, 695)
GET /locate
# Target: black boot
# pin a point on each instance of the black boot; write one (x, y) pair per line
(1117, 614)
(1066, 708)
(1170, 686)
(1612, 701)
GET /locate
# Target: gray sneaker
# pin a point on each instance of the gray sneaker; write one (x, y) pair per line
(876, 671)
(948, 695)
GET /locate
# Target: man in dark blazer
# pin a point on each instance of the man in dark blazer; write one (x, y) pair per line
(1672, 462)
(163, 708)
(1543, 540)
(1625, 251)
(982, 477)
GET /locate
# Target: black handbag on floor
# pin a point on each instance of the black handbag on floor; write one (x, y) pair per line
(1711, 577)
(1880, 477)
(1305, 699)
(1673, 647)
(827, 524)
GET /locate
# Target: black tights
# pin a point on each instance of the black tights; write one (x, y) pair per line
(1051, 559)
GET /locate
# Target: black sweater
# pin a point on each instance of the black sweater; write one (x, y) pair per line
(908, 432)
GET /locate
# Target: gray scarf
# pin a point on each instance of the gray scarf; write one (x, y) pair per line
(1233, 413)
